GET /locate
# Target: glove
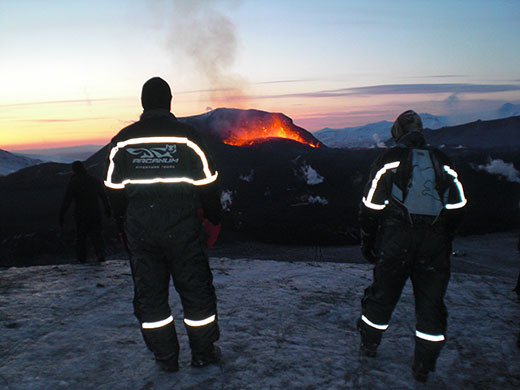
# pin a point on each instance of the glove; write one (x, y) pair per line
(368, 248)
(211, 231)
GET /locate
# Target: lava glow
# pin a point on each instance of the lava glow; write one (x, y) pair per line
(262, 129)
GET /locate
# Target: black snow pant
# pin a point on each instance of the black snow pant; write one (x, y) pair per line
(91, 228)
(421, 252)
(156, 256)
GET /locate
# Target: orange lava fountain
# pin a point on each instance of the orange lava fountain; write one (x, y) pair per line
(258, 130)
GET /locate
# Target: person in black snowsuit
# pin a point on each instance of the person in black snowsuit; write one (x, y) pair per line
(158, 176)
(85, 191)
(517, 287)
(412, 206)
(517, 290)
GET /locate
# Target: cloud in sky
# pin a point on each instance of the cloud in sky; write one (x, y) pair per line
(433, 88)
(284, 81)
(71, 101)
(394, 89)
(440, 76)
(408, 89)
(332, 114)
(51, 120)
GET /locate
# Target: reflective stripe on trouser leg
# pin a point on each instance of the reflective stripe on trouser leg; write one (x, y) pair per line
(203, 322)
(161, 338)
(202, 333)
(427, 349)
(430, 337)
(157, 324)
(376, 326)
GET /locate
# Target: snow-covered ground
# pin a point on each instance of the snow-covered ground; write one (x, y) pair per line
(10, 162)
(284, 325)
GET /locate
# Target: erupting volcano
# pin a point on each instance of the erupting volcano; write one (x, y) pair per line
(250, 127)
(261, 129)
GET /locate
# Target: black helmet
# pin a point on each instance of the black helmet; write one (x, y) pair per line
(405, 123)
(156, 94)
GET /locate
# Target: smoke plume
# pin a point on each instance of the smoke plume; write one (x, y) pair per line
(206, 37)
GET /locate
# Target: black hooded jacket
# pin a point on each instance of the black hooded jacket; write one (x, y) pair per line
(86, 191)
(161, 163)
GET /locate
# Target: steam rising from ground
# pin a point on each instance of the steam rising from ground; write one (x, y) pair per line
(207, 38)
(379, 142)
(499, 167)
(226, 199)
(310, 175)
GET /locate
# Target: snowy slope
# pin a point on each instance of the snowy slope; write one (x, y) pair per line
(370, 135)
(283, 326)
(434, 122)
(10, 162)
(355, 137)
(507, 110)
(64, 155)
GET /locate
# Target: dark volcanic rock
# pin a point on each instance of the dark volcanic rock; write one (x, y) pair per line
(499, 133)
(277, 191)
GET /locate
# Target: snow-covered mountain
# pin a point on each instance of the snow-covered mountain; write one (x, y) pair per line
(376, 134)
(10, 162)
(371, 135)
(284, 325)
(367, 136)
(61, 155)
(508, 110)
(434, 122)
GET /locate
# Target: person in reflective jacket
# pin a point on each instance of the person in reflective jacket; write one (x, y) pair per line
(158, 176)
(85, 191)
(412, 206)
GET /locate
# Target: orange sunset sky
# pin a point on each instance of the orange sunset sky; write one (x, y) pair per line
(71, 71)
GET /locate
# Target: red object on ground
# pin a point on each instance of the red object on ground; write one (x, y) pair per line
(211, 231)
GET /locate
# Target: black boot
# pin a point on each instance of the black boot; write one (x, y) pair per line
(425, 357)
(420, 372)
(370, 339)
(210, 355)
(164, 345)
(170, 365)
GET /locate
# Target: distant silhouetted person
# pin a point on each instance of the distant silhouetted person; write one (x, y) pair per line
(159, 175)
(85, 191)
(413, 203)
(517, 290)
(517, 287)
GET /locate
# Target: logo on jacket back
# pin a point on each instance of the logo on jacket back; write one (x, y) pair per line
(157, 155)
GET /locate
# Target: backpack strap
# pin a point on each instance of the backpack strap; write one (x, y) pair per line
(440, 175)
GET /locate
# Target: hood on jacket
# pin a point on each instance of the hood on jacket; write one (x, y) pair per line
(409, 121)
